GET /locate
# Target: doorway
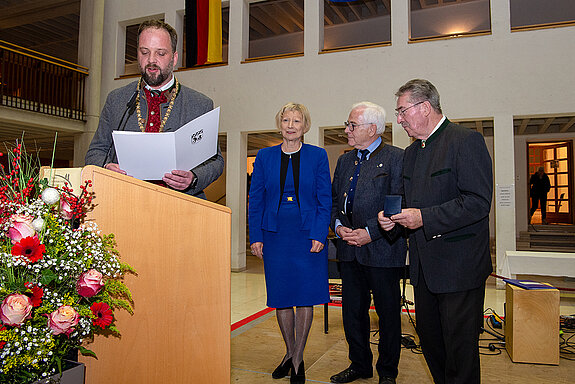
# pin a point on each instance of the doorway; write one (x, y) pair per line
(556, 159)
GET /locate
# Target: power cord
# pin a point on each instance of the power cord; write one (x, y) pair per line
(408, 341)
(566, 333)
(492, 321)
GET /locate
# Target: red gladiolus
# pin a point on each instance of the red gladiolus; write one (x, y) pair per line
(30, 248)
(103, 313)
(35, 294)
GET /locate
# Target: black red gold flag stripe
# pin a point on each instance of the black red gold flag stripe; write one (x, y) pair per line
(203, 32)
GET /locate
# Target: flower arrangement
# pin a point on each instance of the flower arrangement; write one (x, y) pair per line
(60, 279)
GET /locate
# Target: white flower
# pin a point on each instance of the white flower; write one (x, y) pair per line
(50, 196)
(38, 224)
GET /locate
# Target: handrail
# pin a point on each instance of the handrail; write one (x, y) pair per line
(38, 56)
(40, 83)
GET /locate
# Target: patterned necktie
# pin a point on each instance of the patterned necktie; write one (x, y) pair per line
(154, 98)
(351, 192)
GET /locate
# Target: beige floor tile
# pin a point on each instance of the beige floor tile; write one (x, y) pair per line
(257, 348)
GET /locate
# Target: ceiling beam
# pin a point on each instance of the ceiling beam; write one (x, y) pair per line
(327, 19)
(387, 5)
(354, 9)
(297, 21)
(568, 125)
(546, 125)
(523, 126)
(258, 27)
(261, 15)
(372, 8)
(296, 8)
(30, 13)
(340, 14)
(479, 126)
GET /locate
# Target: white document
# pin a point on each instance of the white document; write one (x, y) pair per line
(148, 156)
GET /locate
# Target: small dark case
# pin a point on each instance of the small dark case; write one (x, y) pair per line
(392, 205)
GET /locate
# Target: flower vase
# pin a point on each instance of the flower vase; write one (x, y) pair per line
(72, 373)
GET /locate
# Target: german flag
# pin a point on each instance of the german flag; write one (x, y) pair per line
(203, 32)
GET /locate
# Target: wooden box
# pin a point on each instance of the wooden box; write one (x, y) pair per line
(532, 325)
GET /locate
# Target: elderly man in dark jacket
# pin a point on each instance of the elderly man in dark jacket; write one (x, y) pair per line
(370, 259)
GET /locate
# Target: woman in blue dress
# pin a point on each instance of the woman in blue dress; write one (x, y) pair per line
(289, 214)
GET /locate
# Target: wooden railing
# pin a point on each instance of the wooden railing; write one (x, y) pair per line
(36, 82)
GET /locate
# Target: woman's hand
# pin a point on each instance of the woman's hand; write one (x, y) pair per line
(316, 246)
(257, 249)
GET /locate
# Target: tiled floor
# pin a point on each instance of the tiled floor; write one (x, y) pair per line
(257, 347)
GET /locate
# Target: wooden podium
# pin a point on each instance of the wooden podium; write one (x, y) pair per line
(532, 325)
(180, 247)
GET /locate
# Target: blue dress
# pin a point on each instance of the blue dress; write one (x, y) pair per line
(294, 275)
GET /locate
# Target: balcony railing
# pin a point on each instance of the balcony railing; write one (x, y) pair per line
(36, 82)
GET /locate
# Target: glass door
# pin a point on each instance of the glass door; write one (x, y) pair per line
(555, 158)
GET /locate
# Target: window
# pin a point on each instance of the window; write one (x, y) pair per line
(432, 19)
(130, 52)
(357, 23)
(529, 14)
(276, 28)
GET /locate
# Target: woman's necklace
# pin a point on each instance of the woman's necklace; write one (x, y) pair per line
(291, 153)
(142, 122)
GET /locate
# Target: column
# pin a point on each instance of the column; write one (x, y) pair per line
(90, 44)
(239, 30)
(399, 39)
(236, 185)
(504, 158)
(504, 202)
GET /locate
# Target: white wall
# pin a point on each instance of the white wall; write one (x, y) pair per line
(495, 76)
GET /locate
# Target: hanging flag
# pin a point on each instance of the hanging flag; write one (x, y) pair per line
(215, 32)
(203, 32)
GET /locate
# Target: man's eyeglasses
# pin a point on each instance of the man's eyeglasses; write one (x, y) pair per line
(353, 126)
(402, 112)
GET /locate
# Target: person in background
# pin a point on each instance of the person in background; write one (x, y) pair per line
(371, 261)
(448, 184)
(539, 186)
(162, 105)
(289, 211)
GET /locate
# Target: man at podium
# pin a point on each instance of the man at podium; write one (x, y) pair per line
(161, 104)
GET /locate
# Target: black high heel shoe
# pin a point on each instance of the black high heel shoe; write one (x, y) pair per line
(298, 378)
(282, 370)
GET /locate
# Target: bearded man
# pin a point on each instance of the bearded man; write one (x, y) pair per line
(161, 104)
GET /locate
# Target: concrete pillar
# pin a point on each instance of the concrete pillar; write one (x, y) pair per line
(90, 42)
(399, 38)
(236, 184)
(504, 202)
(239, 38)
(504, 158)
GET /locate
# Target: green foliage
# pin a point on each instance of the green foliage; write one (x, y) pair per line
(34, 345)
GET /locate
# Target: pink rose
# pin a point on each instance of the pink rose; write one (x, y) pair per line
(63, 320)
(89, 283)
(66, 211)
(15, 309)
(21, 227)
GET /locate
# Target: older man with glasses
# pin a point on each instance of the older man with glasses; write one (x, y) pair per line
(371, 260)
(448, 184)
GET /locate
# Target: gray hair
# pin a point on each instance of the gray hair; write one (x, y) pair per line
(372, 113)
(421, 90)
